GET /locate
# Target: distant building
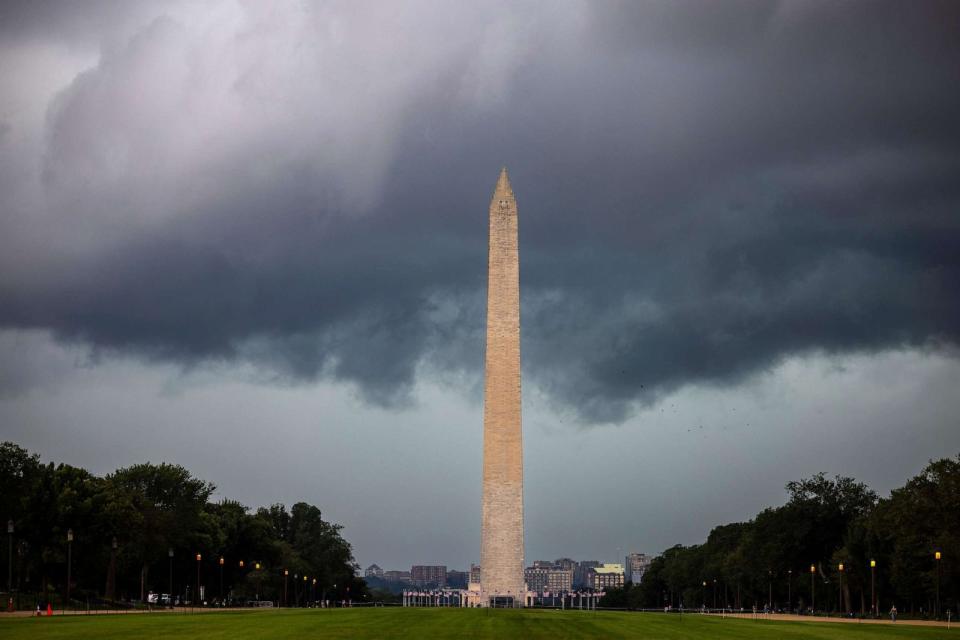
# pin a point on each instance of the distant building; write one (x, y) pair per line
(560, 580)
(543, 579)
(373, 571)
(457, 579)
(542, 564)
(397, 576)
(606, 576)
(536, 578)
(567, 564)
(580, 577)
(635, 565)
(474, 574)
(429, 575)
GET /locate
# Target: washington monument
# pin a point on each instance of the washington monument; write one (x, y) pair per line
(501, 538)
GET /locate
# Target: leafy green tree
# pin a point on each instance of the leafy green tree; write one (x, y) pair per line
(748, 564)
(905, 531)
(19, 471)
(150, 508)
(167, 511)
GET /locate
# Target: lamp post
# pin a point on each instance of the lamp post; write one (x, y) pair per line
(221, 581)
(69, 561)
(813, 591)
(873, 591)
(286, 574)
(9, 556)
(769, 590)
(704, 599)
(112, 575)
(789, 590)
(170, 557)
(304, 587)
(313, 591)
(937, 558)
(259, 579)
(196, 596)
(714, 593)
(840, 567)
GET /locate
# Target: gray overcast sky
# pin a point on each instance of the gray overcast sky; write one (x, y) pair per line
(251, 239)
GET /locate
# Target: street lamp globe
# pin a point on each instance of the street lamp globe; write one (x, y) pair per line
(221, 561)
(69, 535)
(936, 555)
(873, 564)
(10, 526)
(199, 557)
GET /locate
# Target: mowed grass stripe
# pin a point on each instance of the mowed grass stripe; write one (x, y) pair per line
(389, 623)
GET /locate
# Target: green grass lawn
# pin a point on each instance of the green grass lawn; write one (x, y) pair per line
(439, 623)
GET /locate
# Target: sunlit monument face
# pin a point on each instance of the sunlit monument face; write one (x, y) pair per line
(501, 552)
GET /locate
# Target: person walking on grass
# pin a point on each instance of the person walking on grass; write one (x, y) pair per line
(893, 613)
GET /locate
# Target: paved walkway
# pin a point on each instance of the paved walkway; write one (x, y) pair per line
(795, 618)
(97, 612)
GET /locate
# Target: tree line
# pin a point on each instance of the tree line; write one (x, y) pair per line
(900, 551)
(153, 528)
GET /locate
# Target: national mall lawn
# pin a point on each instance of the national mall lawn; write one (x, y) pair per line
(440, 623)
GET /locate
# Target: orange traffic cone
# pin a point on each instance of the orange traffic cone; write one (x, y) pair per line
(49, 609)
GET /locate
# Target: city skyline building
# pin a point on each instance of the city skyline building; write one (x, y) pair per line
(565, 563)
(397, 576)
(605, 576)
(429, 575)
(581, 571)
(457, 579)
(635, 565)
(541, 578)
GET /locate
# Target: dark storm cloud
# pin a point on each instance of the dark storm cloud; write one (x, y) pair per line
(703, 190)
(71, 23)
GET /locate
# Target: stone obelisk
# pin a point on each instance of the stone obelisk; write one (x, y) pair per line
(501, 538)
